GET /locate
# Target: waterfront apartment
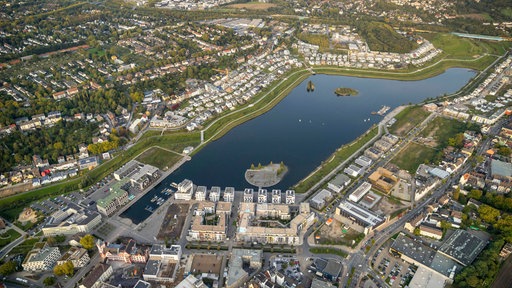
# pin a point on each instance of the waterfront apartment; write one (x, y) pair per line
(290, 197)
(116, 198)
(262, 196)
(276, 196)
(248, 195)
(229, 194)
(201, 193)
(215, 194)
(185, 190)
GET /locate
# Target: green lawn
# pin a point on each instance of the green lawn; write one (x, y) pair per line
(24, 247)
(406, 120)
(456, 47)
(324, 250)
(412, 156)
(162, 159)
(8, 236)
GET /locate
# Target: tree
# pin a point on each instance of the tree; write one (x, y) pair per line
(456, 194)
(49, 281)
(488, 213)
(64, 269)
(87, 241)
(7, 268)
(417, 231)
(476, 194)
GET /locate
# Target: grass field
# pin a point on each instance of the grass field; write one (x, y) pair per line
(8, 236)
(441, 129)
(252, 6)
(412, 156)
(322, 250)
(465, 48)
(336, 158)
(24, 247)
(409, 118)
(162, 159)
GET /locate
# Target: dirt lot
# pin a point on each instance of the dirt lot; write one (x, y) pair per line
(173, 222)
(388, 206)
(205, 263)
(336, 234)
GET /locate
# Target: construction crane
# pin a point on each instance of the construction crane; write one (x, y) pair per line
(225, 71)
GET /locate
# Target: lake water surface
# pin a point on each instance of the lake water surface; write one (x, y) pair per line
(302, 130)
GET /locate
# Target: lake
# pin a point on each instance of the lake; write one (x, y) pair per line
(302, 130)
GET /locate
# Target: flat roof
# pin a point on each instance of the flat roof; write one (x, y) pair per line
(501, 168)
(426, 278)
(463, 247)
(152, 267)
(340, 180)
(333, 268)
(361, 213)
(115, 192)
(414, 250)
(361, 190)
(236, 270)
(320, 196)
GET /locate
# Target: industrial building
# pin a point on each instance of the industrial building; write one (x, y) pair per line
(360, 191)
(357, 217)
(320, 199)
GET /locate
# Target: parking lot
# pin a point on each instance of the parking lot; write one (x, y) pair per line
(394, 271)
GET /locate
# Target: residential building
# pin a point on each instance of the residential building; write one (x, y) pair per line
(163, 263)
(276, 196)
(236, 274)
(229, 194)
(248, 195)
(431, 231)
(215, 194)
(289, 197)
(41, 259)
(262, 195)
(78, 256)
(191, 282)
(185, 190)
(88, 163)
(97, 276)
(115, 199)
(200, 194)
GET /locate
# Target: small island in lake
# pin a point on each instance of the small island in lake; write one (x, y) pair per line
(265, 176)
(342, 91)
(311, 86)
